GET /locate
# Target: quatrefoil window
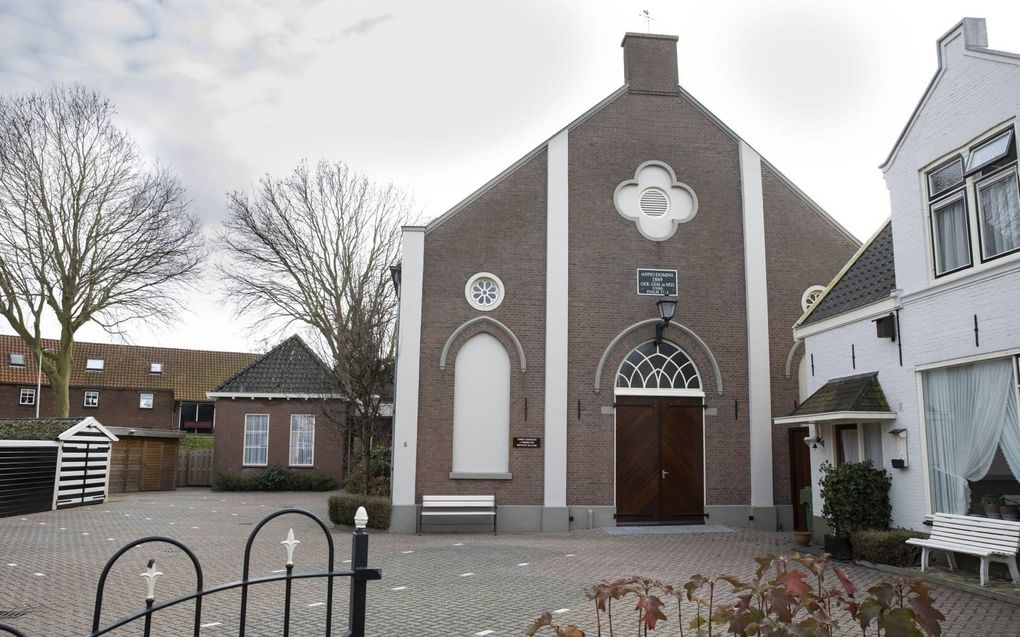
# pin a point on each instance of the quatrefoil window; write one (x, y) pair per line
(655, 201)
(484, 291)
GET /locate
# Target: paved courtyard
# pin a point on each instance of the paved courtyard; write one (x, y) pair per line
(432, 585)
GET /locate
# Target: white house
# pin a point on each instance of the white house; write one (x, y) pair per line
(910, 353)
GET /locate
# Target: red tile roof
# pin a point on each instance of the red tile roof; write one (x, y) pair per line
(189, 373)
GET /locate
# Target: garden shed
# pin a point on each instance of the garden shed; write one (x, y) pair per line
(52, 463)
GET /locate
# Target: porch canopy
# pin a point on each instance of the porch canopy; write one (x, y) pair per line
(842, 400)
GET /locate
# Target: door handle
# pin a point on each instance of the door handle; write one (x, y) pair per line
(664, 474)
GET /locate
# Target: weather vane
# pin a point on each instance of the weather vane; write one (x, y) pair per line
(648, 19)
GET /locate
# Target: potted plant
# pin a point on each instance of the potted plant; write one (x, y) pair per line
(991, 505)
(855, 497)
(1008, 509)
(802, 538)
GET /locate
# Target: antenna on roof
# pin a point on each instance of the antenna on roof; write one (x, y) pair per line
(648, 19)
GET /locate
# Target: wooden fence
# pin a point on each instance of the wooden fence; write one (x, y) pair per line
(194, 468)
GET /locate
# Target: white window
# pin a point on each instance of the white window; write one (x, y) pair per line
(256, 439)
(302, 440)
(484, 291)
(974, 204)
(481, 407)
(95, 364)
(91, 398)
(27, 396)
(145, 401)
(17, 359)
(156, 368)
(858, 442)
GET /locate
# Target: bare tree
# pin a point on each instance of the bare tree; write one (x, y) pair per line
(314, 248)
(88, 231)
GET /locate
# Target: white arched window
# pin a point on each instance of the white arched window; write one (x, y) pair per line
(663, 366)
(481, 407)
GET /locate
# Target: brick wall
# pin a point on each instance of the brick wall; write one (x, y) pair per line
(117, 407)
(229, 440)
(801, 250)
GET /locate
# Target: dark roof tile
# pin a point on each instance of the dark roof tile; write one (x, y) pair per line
(852, 393)
(870, 278)
(289, 368)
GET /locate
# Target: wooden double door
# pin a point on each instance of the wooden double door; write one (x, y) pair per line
(659, 460)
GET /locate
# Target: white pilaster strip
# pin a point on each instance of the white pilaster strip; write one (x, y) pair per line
(405, 407)
(556, 298)
(759, 378)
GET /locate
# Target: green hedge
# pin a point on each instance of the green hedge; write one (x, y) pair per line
(342, 508)
(886, 547)
(192, 442)
(855, 497)
(274, 479)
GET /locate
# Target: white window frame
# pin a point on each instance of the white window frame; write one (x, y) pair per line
(26, 392)
(155, 368)
(245, 447)
(91, 393)
(290, 455)
(95, 364)
(969, 192)
(142, 400)
(11, 358)
(1000, 175)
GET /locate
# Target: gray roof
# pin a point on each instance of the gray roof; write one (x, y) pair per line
(852, 393)
(289, 368)
(870, 277)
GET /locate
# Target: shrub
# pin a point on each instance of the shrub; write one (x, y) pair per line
(855, 497)
(274, 479)
(234, 482)
(787, 597)
(191, 442)
(342, 508)
(309, 482)
(379, 480)
(886, 547)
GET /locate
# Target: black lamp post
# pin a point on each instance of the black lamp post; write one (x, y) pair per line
(667, 307)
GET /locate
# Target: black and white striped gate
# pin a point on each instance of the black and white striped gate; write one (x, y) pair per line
(83, 464)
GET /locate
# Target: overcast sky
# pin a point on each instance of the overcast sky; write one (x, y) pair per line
(439, 96)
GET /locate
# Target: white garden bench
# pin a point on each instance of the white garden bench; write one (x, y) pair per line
(989, 539)
(461, 506)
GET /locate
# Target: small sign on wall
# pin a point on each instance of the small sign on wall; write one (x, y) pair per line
(656, 282)
(527, 442)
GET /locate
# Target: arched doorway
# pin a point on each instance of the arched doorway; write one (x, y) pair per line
(660, 466)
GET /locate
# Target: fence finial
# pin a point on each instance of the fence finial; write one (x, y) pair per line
(150, 576)
(361, 518)
(291, 544)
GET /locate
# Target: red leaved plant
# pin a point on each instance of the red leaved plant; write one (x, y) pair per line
(788, 596)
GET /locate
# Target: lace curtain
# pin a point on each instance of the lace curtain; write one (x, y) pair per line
(1000, 215)
(969, 410)
(952, 249)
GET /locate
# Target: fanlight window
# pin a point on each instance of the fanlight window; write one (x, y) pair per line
(662, 367)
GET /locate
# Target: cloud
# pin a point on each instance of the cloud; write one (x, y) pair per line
(361, 27)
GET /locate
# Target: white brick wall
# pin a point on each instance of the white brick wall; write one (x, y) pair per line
(974, 93)
(832, 359)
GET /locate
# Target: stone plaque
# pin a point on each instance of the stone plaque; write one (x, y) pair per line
(656, 282)
(527, 442)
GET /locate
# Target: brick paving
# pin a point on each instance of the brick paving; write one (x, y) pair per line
(456, 584)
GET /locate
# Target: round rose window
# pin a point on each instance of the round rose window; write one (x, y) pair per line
(484, 291)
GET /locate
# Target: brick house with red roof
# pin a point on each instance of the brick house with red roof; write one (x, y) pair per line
(147, 396)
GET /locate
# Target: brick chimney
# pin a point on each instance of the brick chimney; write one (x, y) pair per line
(649, 63)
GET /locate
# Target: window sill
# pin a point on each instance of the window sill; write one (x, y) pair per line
(301, 466)
(454, 475)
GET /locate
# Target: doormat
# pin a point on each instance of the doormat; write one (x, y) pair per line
(666, 530)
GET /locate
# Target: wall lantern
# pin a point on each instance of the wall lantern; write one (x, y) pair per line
(814, 438)
(902, 461)
(667, 308)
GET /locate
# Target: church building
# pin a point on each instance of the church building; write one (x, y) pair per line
(534, 363)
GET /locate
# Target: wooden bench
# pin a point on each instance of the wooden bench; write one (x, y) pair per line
(989, 539)
(465, 506)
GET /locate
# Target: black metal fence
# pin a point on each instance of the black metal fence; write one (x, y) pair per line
(359, 575)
